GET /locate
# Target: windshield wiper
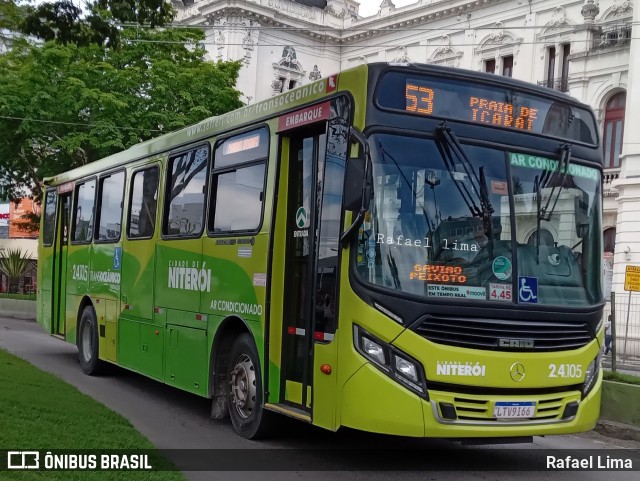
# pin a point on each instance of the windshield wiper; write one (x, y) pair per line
(446, 145)
(449, 145)
(539, 182)
(565, 160)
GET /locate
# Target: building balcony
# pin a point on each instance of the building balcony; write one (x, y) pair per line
(561, 84)
(613, 36)
(609, 176)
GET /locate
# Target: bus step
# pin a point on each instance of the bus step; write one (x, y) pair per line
(59, 336)
(289, 411)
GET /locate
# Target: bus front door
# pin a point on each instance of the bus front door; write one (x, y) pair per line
(60, 266)
(306, 156)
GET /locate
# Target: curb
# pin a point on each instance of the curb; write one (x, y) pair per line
(22, 316)
(612, 429)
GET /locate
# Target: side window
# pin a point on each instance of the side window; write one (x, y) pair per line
(83, 212)
(144, 201)
(49, 223)
(238, 182)
(110, 207)
(184, 212)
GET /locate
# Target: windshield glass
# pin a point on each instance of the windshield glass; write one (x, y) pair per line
(440, 224)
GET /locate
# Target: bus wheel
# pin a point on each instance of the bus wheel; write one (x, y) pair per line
(248, 417)
(88, 343)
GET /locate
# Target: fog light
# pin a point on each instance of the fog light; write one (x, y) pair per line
(448, 411)
(570, 410)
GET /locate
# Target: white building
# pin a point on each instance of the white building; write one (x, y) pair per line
(582, 47)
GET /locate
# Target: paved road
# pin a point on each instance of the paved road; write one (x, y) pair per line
(173, 419)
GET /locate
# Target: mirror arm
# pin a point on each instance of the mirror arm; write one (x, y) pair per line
(346, 236)
(353, 228)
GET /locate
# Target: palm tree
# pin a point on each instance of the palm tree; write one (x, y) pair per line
(13, 264)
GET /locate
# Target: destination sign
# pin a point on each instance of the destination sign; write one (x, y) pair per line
(241, 145)
(476, 100)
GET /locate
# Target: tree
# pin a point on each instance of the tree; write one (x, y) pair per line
(14, 264)
(98, 22)
(65, 105)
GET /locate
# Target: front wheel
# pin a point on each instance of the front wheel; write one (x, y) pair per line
(245, 401)
(88, 347)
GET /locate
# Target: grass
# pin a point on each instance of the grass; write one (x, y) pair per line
(25, 297)
(40, 411)
(620, 377)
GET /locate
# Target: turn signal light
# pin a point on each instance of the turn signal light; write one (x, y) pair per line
(325, 369)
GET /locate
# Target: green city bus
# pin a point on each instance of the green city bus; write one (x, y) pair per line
(402, 249)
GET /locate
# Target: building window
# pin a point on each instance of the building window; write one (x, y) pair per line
(551, 66)
(546, 238)
(490, 66)
(609, 237)
(507, 66)
(613, 130)
(566, 51)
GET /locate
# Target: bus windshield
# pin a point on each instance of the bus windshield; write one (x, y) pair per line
(481, 223)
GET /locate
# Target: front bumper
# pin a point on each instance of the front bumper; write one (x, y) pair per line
(373, 402)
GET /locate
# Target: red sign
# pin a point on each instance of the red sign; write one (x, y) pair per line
(332, 83)
(306, 116)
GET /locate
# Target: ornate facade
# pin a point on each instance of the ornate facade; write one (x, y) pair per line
(582, 47)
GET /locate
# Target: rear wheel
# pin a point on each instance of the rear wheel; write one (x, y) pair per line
(88, 347)
(245, 401)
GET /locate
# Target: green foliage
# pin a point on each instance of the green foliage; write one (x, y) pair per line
(14, 264)
(63, 106)
(10, 15)
(96, 23)
(621, 377)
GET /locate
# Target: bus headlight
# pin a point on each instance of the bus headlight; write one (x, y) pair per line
(393, 362)
(405, 368)
(591, 374)
(374, 351)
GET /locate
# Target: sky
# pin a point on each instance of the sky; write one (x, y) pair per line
(371, 7)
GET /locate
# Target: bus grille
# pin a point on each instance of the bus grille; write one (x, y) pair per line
(503, 335)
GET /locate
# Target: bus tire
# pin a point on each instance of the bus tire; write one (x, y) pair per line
(248, 416)
(88, 346)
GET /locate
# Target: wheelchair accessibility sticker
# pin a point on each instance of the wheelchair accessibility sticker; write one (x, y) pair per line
(117, 258)
(528, 289)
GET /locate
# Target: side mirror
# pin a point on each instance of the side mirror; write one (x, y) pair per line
(353, 183)
(358, 186)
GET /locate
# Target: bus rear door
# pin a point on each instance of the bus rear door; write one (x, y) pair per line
(59, 285)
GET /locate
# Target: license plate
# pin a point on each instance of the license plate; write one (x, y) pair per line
(514, 409)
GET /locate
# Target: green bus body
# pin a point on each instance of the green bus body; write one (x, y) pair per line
(253, 247)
